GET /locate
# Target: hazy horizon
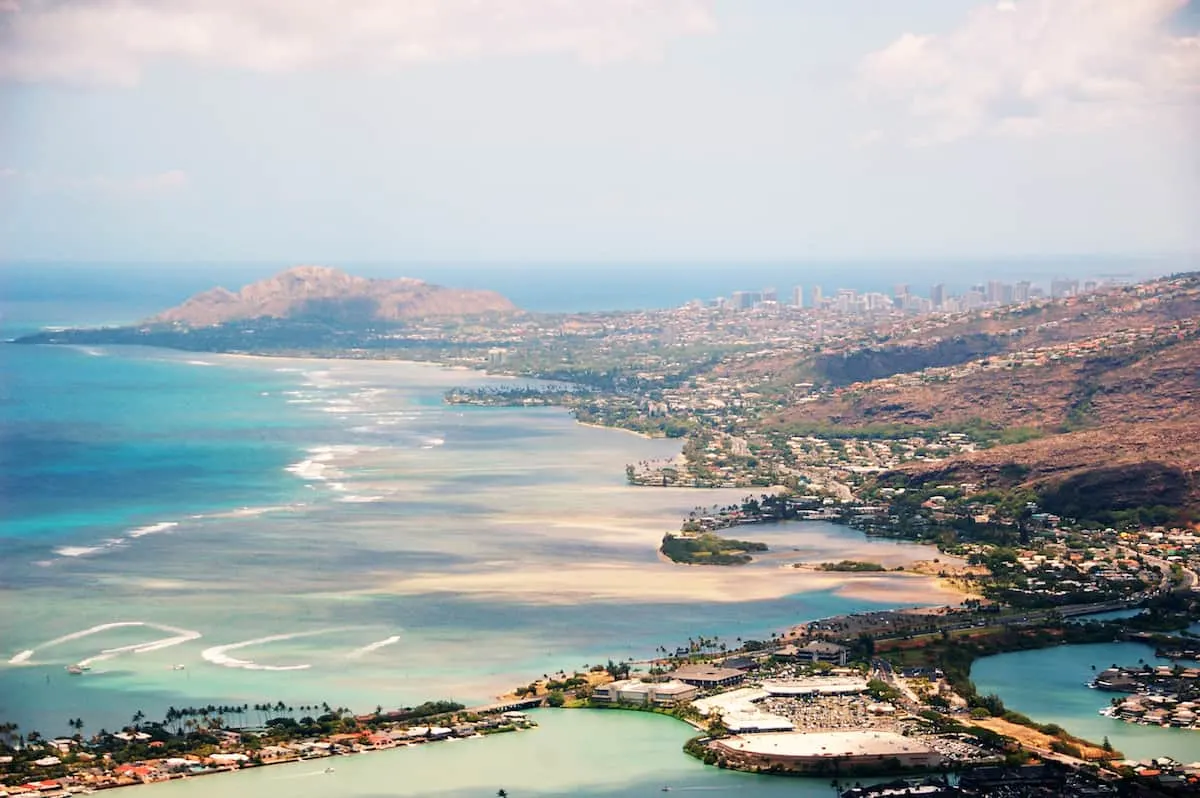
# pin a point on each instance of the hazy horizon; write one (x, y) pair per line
(145, 288)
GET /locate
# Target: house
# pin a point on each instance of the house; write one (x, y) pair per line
(228, 759)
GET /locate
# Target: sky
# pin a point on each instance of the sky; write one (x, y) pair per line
(546, 131)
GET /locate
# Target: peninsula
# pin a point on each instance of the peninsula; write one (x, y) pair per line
(323, 293)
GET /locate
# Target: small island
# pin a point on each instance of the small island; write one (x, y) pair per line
(707, 548)
(851, 566)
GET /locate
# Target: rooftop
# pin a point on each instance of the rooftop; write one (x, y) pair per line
(831, 744)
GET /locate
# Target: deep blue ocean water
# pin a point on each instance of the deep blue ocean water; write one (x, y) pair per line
(93, 440)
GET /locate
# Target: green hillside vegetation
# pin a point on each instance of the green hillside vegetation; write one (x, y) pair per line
(854, 566)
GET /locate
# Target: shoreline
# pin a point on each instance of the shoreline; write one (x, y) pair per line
(642, 435)
(378, 733)
(241, 356)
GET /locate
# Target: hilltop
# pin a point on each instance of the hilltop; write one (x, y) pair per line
(327, 294)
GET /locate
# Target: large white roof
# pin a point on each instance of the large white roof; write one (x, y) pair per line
(840, 744)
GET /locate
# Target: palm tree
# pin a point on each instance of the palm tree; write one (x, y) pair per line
(6, 732)
(501, 793)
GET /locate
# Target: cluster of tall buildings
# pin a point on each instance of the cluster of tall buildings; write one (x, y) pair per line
(847, 300)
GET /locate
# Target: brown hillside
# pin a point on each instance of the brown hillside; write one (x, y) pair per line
(1118, 467)
(1151, 383)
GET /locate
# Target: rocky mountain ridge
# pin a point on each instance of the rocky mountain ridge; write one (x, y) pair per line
(331, 294)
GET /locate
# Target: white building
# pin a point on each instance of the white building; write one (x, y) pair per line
(635, 691)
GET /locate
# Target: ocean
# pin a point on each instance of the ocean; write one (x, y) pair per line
(214, 529)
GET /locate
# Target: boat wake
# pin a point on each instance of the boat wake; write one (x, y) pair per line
(219, 655)
(176, 637)
(378, 644)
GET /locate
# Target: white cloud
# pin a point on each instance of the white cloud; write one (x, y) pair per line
(869, 139)
(1024, 68)
(114, 41)
(7, 173)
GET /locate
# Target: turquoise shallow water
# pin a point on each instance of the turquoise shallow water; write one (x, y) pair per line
(1049, 685)
(330, 531)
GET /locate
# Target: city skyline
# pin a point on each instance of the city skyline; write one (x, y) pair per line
(934, 298)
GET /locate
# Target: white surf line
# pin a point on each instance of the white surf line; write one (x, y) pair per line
(151, 529)
(378, 644)
(177, 636)
(218, 654)
(77, 551)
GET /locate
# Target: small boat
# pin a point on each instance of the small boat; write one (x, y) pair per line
(75, 670)
(178, 667)
(329, 770)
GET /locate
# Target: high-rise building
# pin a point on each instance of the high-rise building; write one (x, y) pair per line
(1062, 287)
(999, 292)
(847, 301)
(798, 296)
(1021, 291)
(899, 292)
(769, 295)
(744, 300)
(817, 298)
(937, 295)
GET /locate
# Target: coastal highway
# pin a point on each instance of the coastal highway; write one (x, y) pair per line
(1026, 618)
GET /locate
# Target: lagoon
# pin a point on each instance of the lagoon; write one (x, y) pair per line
(1050, 686)
(591, 753)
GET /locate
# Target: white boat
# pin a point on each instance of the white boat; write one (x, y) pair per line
(76, 670)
